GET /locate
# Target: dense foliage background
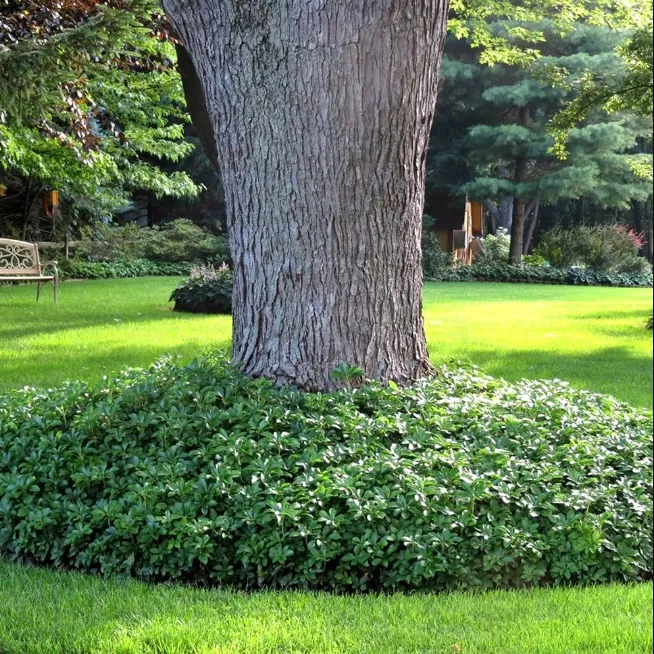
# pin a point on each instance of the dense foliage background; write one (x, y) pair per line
(107, 124)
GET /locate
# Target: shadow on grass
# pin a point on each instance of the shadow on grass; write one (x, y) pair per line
(635, 315)
(82, 320)
(55, 365)
(616, 371)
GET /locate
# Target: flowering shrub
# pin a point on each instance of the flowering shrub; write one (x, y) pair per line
(496, 247)
(608, 248)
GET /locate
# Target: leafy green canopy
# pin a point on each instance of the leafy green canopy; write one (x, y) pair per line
(91, 101)
(615, 90)
(90, 107)
(473, 20)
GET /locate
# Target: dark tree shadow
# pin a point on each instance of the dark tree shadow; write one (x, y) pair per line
(616, 371)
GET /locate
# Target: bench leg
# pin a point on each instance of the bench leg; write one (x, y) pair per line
(55, 284)
(38, 291)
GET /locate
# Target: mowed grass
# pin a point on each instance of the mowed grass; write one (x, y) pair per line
(65, 613)
(592, 337)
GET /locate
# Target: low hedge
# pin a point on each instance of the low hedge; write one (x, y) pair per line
(201, 474)
(79, 269)
(541, 275)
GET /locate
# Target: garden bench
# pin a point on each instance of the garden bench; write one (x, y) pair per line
(19, 262)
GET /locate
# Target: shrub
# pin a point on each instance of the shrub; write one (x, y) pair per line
(608, 248)
(542, 275)
(201, 474)
(496, 247)
(559, 247)
(207, 290)
(78, 269)
(434, 260)
(175, 242)
(110, 242)
(534, 260)
(182, 240)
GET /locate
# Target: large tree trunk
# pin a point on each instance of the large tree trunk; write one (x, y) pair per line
(506, 212)
(519, 204)
(321, 112)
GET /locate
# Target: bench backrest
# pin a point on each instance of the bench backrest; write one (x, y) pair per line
(18, 257)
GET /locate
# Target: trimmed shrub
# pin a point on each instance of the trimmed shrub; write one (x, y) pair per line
(78, 269)
(534, 260)
(542, 275)
(207, 290)
(200, 474)
(434, 260)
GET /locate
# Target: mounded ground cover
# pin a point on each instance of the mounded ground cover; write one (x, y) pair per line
(592, 337)
(200, 474)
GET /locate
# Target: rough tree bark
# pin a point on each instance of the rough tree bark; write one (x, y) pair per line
(321, 111)
(519, 204)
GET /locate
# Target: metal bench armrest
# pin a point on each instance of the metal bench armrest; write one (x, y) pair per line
(50, 264)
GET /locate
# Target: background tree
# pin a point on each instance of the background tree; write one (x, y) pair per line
(628, 88)
(91, 104)
(501, 141)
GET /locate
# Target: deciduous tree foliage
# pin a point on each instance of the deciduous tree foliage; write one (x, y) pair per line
(90, 102)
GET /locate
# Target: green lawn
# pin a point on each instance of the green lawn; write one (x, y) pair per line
(44, 612)
(592, 337)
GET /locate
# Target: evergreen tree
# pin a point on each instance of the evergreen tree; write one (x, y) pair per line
(498, 119)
